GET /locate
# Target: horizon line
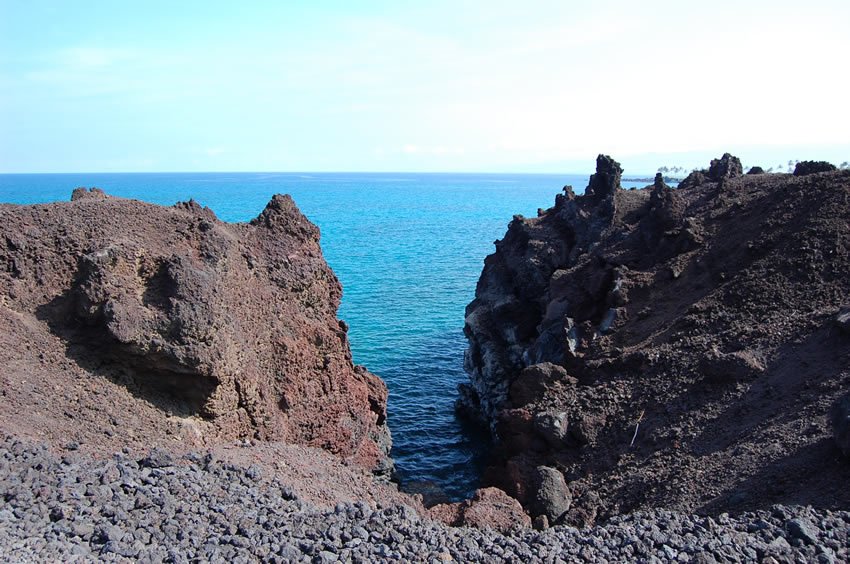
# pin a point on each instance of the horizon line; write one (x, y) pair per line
(293, 172)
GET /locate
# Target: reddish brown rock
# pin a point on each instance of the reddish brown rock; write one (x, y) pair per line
(124, 321)
(488, 507)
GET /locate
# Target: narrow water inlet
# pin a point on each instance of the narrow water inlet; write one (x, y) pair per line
(436, 453)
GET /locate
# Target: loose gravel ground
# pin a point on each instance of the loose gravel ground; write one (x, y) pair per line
(72, 508)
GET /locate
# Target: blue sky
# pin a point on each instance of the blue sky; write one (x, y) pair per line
(428, 86)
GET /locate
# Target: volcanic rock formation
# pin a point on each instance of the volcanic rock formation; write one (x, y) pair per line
(123, 322)
(663, 347)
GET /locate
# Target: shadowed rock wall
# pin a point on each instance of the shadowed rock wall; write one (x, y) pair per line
(667, 347)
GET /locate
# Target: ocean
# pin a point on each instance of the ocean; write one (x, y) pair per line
(408, 249)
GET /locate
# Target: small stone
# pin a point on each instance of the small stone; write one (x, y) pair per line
(779, 546)
(157, 458)
(254, 472)
(82, 530)
(325, 556)
(108, 533)
(541, 523)
(58, 512)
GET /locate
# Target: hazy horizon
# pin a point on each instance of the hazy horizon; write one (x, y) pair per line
(454, 87)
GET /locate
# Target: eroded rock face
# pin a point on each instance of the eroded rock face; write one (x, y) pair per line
(667, 347)
(224, 330)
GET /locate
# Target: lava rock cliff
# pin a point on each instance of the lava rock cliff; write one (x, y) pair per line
(666, 347)
(125, 322)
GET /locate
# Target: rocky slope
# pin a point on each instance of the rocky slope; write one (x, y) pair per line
(200, 508)
(676, 348)
(125, 324)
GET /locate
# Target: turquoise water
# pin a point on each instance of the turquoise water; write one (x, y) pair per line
(408, 249)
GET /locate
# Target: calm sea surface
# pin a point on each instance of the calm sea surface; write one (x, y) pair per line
(408, 249)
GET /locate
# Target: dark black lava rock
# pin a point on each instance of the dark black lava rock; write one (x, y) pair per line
(727, 166)
(801, 529)
(157, 458)
(607, 178)
(812, 167)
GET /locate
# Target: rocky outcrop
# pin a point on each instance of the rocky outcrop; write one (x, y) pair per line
(666, 347)
(127, 322)
(726, 166)
(803, 168)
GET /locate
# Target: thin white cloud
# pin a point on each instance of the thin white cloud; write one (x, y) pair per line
(91, 57)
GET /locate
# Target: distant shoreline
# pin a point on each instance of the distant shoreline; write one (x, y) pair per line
(648, 180)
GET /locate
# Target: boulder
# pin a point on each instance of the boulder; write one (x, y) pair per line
(552, 497)
(488, 508)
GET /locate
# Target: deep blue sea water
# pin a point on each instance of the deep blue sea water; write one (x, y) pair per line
(408, 249)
